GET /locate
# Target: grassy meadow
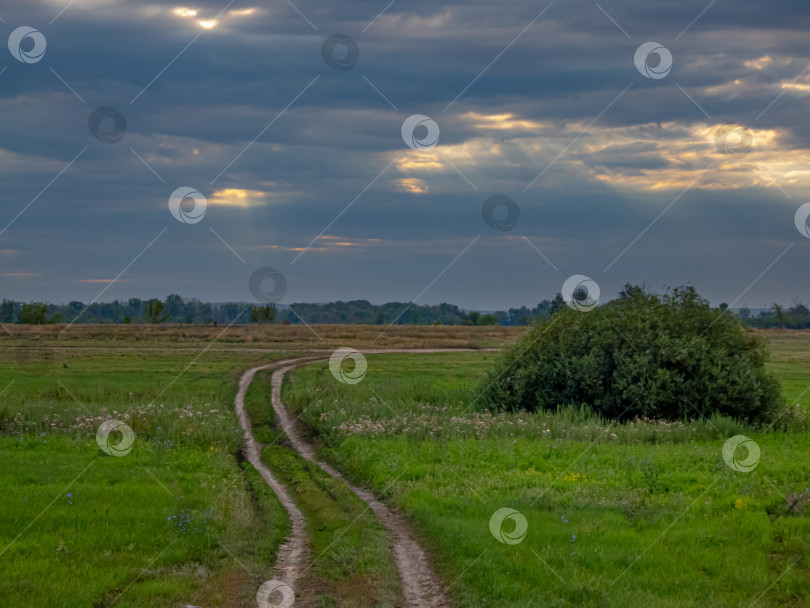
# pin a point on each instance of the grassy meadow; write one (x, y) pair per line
(638, 514)
(177, 518)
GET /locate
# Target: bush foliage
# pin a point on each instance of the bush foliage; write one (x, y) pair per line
(667, 356)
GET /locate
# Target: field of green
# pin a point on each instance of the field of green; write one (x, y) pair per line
(790, 361)
(618, 515)
(637, 514)
(178, 519)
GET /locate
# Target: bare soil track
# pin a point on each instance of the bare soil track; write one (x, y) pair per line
(293, 554)
(421, 587)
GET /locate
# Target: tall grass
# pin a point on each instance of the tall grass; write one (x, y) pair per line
(416, 398)
(163, 525)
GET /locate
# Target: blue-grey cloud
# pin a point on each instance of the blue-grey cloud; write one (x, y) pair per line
(216, 118)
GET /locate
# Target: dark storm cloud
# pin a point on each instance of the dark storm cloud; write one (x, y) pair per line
(597, 193)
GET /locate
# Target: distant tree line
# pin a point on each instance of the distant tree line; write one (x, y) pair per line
(175, 309)
(403, 313)
(795, 317)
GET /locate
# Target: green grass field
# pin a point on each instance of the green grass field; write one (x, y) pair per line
(175, 519)
(790, 361)
(642, 514)
(618, 515)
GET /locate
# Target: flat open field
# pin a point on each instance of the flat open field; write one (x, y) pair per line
(264, 337)
(618, 515)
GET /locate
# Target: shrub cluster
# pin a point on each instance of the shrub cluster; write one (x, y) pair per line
(662, 356)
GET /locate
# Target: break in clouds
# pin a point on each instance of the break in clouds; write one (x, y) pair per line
(683, 161)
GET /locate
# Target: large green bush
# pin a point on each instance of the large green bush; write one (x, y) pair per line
(667, 356)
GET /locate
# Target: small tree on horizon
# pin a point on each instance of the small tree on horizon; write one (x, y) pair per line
(263, 314)
(779, 315)
(36, 313)
(154, 311)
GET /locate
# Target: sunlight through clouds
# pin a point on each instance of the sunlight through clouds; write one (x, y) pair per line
(185, 12)
(507, 121)
(238, 197)
(411, 185)
(221, 97)
(209, 24)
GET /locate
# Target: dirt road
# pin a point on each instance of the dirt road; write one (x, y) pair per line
(421, 587)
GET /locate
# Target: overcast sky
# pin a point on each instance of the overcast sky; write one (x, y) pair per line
(294, 139)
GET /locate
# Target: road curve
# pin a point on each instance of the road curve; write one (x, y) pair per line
(421, 587)
(294, 553)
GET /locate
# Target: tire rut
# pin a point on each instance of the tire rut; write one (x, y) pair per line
(294, 553)
(421, 587)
